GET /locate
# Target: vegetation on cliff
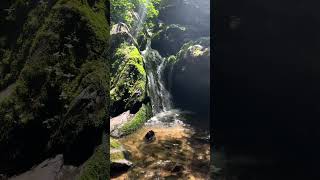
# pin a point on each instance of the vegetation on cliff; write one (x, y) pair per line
(55, 61)
(128, 80)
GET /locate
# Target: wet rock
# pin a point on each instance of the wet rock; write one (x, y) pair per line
(177, 169)
(170, 39)
(121, 164)
(118, 121)
(119, 158)
(150, 136)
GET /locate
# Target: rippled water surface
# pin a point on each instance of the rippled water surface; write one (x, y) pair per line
(177, 153)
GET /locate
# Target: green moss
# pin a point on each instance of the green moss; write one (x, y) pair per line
(114, 143)
(172, 59)
(138, 120)
(49, 76)
(128, 82)
(95, 16)
(97, 167)
(196, 51)
(117, 156)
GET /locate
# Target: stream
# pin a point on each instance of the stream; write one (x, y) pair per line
(177, 153)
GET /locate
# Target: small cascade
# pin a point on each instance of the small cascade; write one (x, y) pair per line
(162, 107)
(155, 65)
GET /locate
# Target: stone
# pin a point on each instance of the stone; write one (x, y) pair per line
(150, 136)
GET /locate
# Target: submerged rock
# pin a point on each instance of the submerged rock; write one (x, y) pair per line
(150, 136)
(177, 169)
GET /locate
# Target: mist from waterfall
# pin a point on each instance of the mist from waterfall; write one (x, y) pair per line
(141, 18)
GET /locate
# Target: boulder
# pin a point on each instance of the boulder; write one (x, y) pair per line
(119, 157)
(189, 76)
(170, 39)
(128, 80)
(117, 121)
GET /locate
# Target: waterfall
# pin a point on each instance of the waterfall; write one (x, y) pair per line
(155, 65)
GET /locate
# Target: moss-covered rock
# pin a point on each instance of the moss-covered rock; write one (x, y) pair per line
(138, 120)
(128, 82)
(133, 123)
(97, 166)
(118, 157)
(169, 39)
(59, 99)
(190, 71)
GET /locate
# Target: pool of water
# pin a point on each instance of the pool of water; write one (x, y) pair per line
(178, 152)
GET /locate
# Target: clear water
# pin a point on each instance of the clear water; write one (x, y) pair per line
(177, 153)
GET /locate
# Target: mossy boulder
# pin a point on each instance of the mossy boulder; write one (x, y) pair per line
(97, 166)
(133, 123)
(138, 120)
(59, 100)
(119, 157)
(169, 39)
(128, 82)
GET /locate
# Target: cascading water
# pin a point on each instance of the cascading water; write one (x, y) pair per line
(155, 65)
(160, 97)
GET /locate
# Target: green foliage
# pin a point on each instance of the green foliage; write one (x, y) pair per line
(94, 16)
(56, 55)
(128, 81)
(114, 143)
(117, 156)
(205, 42)
(25, 18)
(172, 59)
(138, 120)
(122, 10)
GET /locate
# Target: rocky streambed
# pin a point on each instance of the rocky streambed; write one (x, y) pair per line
(178, 152)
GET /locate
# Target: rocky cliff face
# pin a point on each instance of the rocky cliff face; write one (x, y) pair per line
(52, 58)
